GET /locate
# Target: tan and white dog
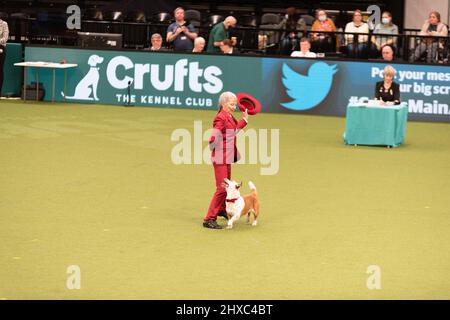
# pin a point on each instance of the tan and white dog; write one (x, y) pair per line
(237, 205)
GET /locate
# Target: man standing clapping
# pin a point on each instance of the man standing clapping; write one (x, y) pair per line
(181, 33)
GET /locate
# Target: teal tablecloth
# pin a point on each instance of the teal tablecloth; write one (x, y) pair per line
(378, 125)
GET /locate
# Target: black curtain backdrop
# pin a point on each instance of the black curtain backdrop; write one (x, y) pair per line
(149, 7)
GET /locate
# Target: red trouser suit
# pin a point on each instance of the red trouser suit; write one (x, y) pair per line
(224, 152)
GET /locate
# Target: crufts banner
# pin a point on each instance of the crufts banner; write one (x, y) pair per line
(286, 85)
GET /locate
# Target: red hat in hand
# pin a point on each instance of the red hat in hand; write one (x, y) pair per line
(246, 101)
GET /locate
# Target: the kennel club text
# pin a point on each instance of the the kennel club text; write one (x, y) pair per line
(226, 309)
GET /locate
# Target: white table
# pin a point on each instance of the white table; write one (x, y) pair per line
(41, 64)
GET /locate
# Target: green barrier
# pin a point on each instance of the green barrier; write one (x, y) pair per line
(148, 78)
(12, 81)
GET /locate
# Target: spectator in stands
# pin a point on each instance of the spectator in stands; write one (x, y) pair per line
(219, 33)
(387, 52)
(4, 34)
(180, 33)
(199, 45)
(387, 90)
(227, 47)
(356, 49)
(432, 27)
(384, 34)
(295, 27)
(156, 43)
(305, 46)
(323, 42)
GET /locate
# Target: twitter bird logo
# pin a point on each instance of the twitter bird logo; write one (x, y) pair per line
(308, 91)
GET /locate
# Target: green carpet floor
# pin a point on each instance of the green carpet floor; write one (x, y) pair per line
(94, 186)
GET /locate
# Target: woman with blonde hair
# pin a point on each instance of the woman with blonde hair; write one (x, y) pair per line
(387, 91)
(224, 153)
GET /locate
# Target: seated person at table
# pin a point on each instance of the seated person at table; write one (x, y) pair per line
(387, 91)
(304, 52)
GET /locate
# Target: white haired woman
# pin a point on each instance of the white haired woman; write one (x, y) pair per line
(199, 45)
(224, 153)
(387, 91)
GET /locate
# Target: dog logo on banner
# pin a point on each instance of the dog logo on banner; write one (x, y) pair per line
(86, 89)
(308, 91)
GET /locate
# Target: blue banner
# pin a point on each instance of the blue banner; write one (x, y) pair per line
(326, 87)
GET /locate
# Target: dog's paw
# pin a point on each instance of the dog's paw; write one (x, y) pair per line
(254, 223)
(230, 227)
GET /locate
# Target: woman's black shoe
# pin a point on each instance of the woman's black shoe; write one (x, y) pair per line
(223, 214)
(211, 224)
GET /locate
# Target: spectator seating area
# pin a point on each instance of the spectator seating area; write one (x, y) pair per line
(257, 29)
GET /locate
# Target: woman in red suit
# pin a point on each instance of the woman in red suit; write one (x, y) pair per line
(224, 153)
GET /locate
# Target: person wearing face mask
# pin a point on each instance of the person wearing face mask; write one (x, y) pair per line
(384, 34)
(224, 152)
(433, 27)
(219, 33)
(323, 42)
(356, 49)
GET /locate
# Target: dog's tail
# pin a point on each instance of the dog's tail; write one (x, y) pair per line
(252, 187)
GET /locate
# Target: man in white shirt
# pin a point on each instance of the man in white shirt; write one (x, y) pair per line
(305, 46)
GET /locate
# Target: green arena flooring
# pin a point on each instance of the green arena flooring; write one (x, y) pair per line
(94, 186)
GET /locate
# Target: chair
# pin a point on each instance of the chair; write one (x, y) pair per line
(269, 39)
(192, 15)
(214, 19)
(308, 19)
(19, 15)
(114, 16)
(18, 24)
(136, 16)
(247, 21)
(162, 17)
(93, 14)
(248, 38)
(195, 23)
(270, 19)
